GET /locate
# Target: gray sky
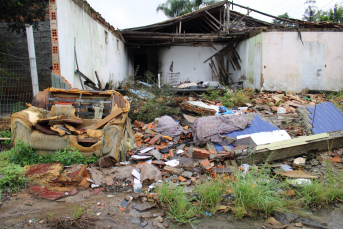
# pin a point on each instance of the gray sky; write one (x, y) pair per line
(133, 13)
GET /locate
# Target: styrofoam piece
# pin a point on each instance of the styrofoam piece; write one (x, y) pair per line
(263, 138)
(172, 163)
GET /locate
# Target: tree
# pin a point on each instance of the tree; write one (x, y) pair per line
(332, 15)
(311, 11)
(18, 13)
(175, 8)
(280, 22)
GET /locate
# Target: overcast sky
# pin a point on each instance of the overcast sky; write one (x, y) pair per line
(133, 13)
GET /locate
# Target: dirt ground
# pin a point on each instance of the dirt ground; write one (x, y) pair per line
(17, 210)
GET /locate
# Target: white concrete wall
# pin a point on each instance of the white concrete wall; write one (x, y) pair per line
(189, 61)
(250, 52)
(93, 54)
(289, 65)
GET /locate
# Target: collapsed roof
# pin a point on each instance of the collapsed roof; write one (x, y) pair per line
(211, 24)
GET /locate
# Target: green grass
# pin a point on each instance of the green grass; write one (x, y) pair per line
(210, 194)
(13, 175)
(79, 211)
(257, 192)
(179, 205)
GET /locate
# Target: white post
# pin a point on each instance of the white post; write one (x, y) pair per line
(159, 80)
(32, 56)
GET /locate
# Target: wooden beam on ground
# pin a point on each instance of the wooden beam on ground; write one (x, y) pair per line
(334, 140)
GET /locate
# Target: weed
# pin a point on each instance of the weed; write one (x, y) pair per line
(22, 154)
(147, 110)
(6, 134)
(180, 207)
(210, 194)
(240, 98)
(79, 211)
(228, 99)
(13, 176)
(336, 98)
(50, 216)
(256, 192)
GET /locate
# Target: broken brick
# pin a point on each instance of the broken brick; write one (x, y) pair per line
(206, 165)
(182, 179)
(200, 153)
(155, 139)
(136, 123)
(146, 140)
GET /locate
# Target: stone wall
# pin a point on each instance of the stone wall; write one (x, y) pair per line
(42, 38)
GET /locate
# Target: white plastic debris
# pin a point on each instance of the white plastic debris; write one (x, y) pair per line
(146, 149)
(281, 110)
(95, 186)
(110, 196)
(137, 185)
(125, 162)
(172, 163)
(99, 213)
(246, 168)
(90, 180)
(136, 174)
(180, 151)
(299, 181)
(286, 168)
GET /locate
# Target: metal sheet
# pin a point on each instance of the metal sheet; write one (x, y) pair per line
(325, 118)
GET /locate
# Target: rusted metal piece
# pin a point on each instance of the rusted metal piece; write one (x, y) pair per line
(45, 129)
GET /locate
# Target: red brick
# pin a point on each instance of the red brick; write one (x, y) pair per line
(200, 153)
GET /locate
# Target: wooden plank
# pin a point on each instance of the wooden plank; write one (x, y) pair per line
(102, 122)
(335, 140)
(215, 19)
(99, 83)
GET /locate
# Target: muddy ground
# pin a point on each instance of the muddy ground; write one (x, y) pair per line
(17, 210)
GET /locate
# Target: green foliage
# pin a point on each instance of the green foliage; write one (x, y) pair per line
(228, 99)
(311, 12)
(175, 8)
(180, 207)
(161, 104)
(332, 15)
(18, 107)
(6, 134)
(23, 155)
(280, 22)
(20, 12)
(336, 98)
(13, 176)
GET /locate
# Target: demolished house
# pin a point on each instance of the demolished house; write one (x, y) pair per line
(216, 43)
(207, 140)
